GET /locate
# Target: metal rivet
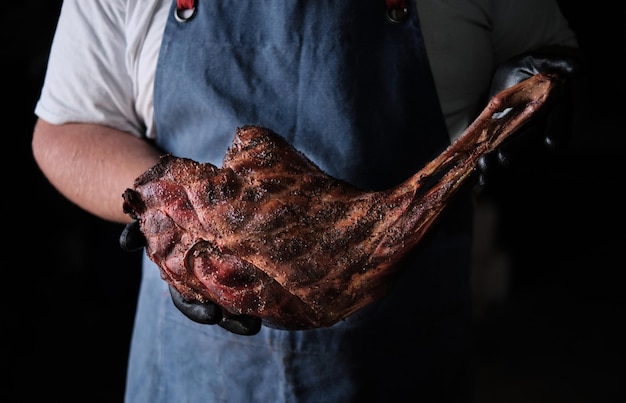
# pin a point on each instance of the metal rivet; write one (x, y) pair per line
(397, 15)
(184, 14)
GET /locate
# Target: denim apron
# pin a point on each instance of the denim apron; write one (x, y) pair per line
(353, 91)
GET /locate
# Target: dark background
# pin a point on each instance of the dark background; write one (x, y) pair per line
(548, 319)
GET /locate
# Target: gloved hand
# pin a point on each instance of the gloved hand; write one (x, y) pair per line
(553, 127)
(207, 313)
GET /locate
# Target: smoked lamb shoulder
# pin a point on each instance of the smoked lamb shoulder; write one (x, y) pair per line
(271, 235)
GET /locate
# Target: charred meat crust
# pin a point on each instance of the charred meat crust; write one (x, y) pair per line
(271, 235)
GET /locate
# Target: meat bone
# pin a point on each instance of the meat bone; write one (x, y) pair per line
(271, 235)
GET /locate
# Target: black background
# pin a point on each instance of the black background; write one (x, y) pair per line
(555, 335)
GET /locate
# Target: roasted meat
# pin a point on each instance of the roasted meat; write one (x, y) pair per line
(271, 235)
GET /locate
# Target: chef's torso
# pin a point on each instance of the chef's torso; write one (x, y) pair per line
(354, 92)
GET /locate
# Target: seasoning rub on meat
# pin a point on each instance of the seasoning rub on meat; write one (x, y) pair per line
(271, 235)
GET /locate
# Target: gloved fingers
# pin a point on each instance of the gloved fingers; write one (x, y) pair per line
(494, 166)
(131, 238)
(565, 65)
(524, 66)
(206, 313)
(491, 168)
(550, 129)
(487, 164)
(241, 324)
(559, 126)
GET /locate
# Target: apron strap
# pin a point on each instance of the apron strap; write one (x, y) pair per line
(185, 4)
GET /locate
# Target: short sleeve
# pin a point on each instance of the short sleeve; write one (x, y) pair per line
(87, 79)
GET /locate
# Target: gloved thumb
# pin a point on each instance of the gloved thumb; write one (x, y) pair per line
(131, 238)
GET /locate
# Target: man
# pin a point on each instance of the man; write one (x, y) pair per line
(369, 92)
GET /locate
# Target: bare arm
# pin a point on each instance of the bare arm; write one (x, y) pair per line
(91, 164)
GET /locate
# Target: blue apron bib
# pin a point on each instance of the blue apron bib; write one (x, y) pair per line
(354, 93)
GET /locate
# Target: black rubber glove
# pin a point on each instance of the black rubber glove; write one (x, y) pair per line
(550, 130)
(207, 313)
(131, 238)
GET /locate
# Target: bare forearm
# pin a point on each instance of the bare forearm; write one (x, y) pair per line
(92, 165)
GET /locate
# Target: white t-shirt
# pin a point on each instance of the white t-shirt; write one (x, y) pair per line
(104, 54)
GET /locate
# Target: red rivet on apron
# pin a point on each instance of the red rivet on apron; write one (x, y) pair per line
(185, 10)
(397, 11)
